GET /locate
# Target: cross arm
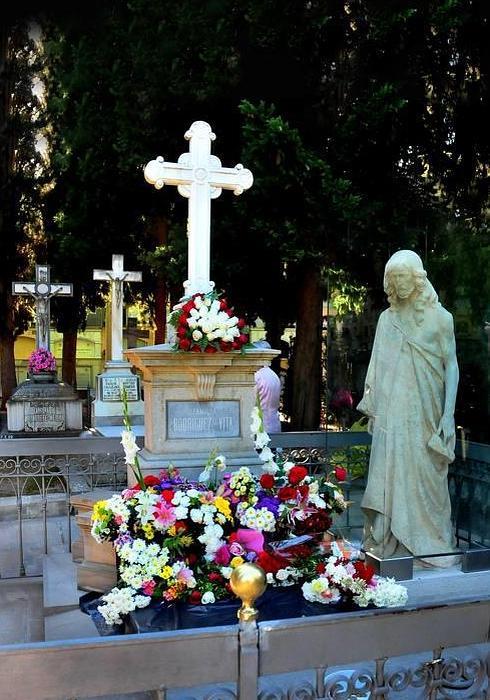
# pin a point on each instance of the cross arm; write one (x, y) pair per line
(160, 173)
(23, 288)
(237, 179)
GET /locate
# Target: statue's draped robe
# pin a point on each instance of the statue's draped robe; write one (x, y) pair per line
(406, 502)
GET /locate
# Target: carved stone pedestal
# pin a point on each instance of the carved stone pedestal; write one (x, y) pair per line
(196, 403)
(96, 570)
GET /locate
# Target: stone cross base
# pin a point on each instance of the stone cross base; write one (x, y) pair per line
(38, 408)
(197, 403)
(107, 409)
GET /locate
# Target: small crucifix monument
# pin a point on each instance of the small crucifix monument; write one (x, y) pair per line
(200, 178)
(117, 277)
(37, 408)
(42, 290)
(117, 375)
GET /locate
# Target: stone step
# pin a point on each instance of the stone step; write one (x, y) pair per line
(60, 591)
(71, 624)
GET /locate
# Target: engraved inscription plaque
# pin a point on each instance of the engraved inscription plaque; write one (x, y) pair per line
(112, 388)
(203, 419)
(44, 416)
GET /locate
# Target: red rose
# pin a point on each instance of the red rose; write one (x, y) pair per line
(287, 493)
(191, 558)
(236, 345)
(167, 495)
(181, 332)
(210, 348)
(267, 481)
(297, 474)
(242, 338)
(215, 577)
(241, 323)
(196, 348)
(223, 305)
(184, 344)
(298, 551)
(317, 522)
(320, 567)
(180, 527)
(195, 597)
(233, 537)
(340, 473)
(271, 563)
(151, 480)
(224, 346)
(188, 307)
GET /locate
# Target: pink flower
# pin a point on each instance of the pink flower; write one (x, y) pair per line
(251, 540)
(186, 575)
(127, 494)
(164, 514)
(222, 556)
(236, 549)
(119, 519)
(148, 587)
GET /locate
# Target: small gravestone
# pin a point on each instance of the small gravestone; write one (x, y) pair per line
(117, 378)
(42, 405)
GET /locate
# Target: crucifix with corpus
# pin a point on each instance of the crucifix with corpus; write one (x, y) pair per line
(117, 277)
(199, 177)
(42, 290)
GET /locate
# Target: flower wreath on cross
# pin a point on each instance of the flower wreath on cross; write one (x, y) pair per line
(205, 323)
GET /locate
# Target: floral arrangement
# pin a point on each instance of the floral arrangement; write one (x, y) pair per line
(41, 360)
(179, 540)
(205, 323)
(353, 582)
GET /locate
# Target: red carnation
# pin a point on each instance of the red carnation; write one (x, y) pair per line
(215, 577)
(363, 571)
(267, 481)
(184, 344)
(151, 480)
(297, 474)
(241, 323)
(181, 332)
(195, 597)
(317, 522)
(242, 338)
(223, 304)
(167, 495)
(287, 493)
(188, 306)
(224, 346)
(271, 563)
(180, 527)
(340, 473)
(191, 558)
(320, 568)
(196, 348)
(210, 348)
(236, 345)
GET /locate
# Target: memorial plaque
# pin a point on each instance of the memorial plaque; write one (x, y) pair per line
(44, 416)
(202, 419)
(112, 388)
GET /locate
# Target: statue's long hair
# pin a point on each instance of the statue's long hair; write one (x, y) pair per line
(425, 294)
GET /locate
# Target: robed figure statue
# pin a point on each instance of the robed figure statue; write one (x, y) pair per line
(409, 397)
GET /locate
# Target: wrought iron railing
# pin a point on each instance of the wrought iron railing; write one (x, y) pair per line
(38, 477)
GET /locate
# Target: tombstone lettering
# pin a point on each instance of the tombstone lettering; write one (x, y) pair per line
(112, 387)
(199, 177)
(44, 416)
(203, 419)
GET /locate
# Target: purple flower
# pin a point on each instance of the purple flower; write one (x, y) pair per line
(125, 538)
(268, 502)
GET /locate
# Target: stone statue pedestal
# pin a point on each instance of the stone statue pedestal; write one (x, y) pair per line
(107, 409)
(196, 403)
(44, 406)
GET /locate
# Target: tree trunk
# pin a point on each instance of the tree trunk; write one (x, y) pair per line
(7, 367)
(69, 371)
(306, 375)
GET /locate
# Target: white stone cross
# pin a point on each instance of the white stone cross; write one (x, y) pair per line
(117, 276)
(199, 177)
(42, 290)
